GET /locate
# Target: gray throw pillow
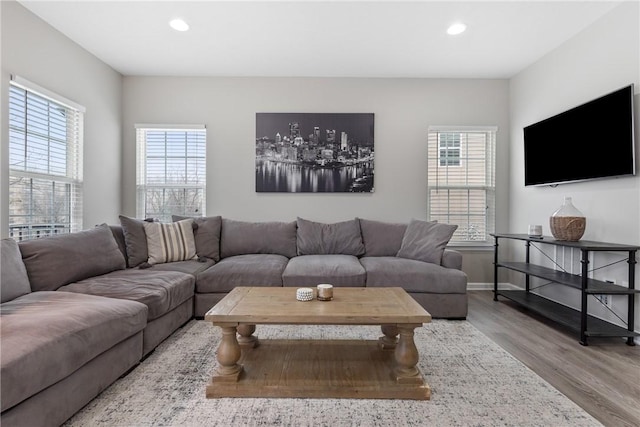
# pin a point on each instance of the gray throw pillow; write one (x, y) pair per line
(381, 238)
(207, 235)
(426, 241)
(65, 258)
(240, 238)
(118, 234)
(135, 240)
(340, 238)
(14, 281)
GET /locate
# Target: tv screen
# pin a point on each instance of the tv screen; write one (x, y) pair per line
(593, 140)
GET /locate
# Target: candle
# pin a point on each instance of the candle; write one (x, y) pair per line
(325, 292)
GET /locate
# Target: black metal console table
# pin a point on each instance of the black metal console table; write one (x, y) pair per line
(578, 320)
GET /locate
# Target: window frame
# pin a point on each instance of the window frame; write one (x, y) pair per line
(483, 188)
(142, 172)
(61, 148)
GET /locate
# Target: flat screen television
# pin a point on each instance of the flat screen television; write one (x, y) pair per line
(591, 141)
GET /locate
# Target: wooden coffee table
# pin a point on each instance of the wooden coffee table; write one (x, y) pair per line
(383, 368)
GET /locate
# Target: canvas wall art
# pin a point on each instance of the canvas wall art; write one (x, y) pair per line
(314, 152)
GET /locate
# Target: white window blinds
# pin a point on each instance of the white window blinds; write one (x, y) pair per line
(461, 181)
(171, 170)
(45, 162)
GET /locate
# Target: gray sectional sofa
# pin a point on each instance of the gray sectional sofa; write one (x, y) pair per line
(357, 253)
(80, 310)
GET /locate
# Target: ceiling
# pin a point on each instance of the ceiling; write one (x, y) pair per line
(320, 38)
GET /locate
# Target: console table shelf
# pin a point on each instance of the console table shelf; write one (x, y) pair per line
(564, 315)
(578, 320)
(593, 286)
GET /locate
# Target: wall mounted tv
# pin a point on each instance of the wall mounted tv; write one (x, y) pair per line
(591, 141)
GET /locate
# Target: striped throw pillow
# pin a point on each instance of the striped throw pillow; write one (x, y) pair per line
(170, 242)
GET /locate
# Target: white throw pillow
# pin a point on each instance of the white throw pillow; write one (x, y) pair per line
(170, 242)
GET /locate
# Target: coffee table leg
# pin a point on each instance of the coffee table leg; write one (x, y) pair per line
(246, 338)
(228, 356)
(406, 355)
(390, 338)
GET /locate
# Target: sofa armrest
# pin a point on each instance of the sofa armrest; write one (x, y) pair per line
(452, 259)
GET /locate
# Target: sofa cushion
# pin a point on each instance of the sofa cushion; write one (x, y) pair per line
(135, 240)
(426, 240)
(46, 336)
(241, 238)
(381, 238)
(192, 267)
(207, 235)
(242, 270)
(57, 260)
(160, 291)
(340, 238)
(311, 270)
(170, 242)
(14, 281)
(413, 276)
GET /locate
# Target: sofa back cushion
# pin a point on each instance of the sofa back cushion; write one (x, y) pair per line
(241, 238)
(426, 241)
(381, 238)
(55, 261)
(340, 238)
(207, 235)
(135, 240)
(170, 242)
(14, 281)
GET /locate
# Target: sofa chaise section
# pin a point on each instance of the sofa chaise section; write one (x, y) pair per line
(60, 350)
(99, 268)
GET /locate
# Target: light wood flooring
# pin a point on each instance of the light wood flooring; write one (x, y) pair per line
(603, 378)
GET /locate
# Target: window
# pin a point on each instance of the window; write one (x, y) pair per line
(461, 181)
(171, 171)
(45, 162)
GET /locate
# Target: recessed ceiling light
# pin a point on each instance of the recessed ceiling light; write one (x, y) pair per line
(456, 28)
(179, 25)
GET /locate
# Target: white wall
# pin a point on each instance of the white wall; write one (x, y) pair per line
(602, 58)
(35, 51)
(403, 108)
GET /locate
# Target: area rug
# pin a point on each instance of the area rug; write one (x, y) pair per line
(473, 381)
